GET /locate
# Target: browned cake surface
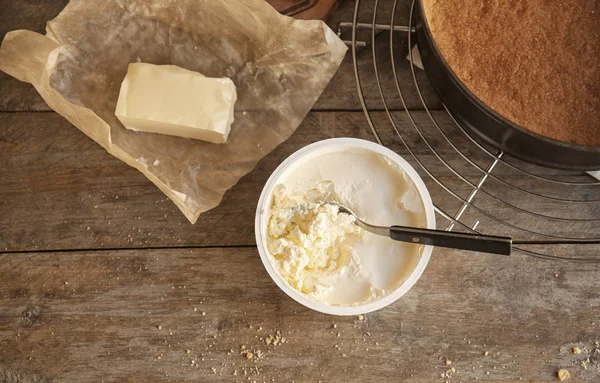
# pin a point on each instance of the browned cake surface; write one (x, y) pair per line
(535, 62)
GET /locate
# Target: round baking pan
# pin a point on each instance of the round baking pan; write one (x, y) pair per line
(489, 126)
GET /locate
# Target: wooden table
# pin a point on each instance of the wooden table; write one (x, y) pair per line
(102, 279)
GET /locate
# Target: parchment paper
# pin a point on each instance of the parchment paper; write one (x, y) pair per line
(279, 65)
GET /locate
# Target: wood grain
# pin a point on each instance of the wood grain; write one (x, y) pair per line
(109, 309)
(95, 316)
(339, 95)
(62, 191)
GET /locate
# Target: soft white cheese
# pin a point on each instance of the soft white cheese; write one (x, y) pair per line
(167, 99)
(311, 243)
(324, 254)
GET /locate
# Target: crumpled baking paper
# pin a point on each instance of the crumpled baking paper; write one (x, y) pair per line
(279, 65)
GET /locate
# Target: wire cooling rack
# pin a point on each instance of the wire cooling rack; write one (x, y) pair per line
(550, 214)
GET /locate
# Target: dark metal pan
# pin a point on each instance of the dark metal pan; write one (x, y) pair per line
(487, 125)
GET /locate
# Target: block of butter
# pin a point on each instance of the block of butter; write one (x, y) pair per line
(167, 99)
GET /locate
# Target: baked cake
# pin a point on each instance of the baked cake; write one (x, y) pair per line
(537, 63)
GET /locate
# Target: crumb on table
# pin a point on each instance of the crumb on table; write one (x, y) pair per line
(563, 374)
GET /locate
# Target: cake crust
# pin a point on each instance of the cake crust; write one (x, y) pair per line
(537, 63)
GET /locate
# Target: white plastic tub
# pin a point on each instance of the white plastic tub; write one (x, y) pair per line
(311, 152)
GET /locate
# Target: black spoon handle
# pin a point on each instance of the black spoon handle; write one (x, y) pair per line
(464, 241)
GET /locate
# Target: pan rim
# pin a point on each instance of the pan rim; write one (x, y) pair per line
(474, 99)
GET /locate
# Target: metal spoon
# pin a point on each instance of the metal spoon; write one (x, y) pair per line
(440, 238)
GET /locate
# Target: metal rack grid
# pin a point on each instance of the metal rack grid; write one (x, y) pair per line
(563, 207)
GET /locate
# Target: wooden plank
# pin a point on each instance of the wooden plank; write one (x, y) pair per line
(93, 316)
(67, 192)
(341, 93)
(60, 190)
